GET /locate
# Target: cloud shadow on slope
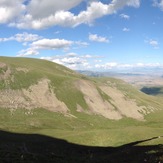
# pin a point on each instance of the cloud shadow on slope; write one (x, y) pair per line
(152, 90)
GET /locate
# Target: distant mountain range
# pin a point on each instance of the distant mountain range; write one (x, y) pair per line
(108, 73)
(157, 71)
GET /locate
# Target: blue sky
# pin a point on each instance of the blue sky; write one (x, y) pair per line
(84, 34)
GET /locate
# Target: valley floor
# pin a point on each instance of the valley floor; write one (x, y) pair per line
(91, 139)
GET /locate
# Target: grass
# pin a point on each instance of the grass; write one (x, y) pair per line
(84, 129)
(60, 77)
(104, 140)
(71, 96)
(131, 92)
(36, 70)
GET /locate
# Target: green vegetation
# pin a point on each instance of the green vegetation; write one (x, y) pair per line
(35, 70)
(27, 71)
(86, 129)
(76, 127)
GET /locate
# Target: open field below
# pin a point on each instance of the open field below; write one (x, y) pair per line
(85, 130)
(86, 139)
(149, 84)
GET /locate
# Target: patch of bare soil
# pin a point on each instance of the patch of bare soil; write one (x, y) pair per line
(117, 107)
(36, 96)
(95, 102)
(13, 99)
(40, 95)
(25, 70)
(2, 65)
(6, 72)
(126, 107)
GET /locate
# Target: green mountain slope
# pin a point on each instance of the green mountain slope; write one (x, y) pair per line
(32, 83)
(42, 97)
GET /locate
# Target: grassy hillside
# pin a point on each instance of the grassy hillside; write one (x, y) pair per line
(28, 71)
(41, 97)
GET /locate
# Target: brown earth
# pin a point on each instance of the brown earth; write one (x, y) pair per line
(6, 72)
(36, 96)
(95, 102)
(117, 107)
(126, 107)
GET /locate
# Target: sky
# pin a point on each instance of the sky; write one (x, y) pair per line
(95, 35)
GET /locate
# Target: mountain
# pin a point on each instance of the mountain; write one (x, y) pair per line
(33, 83)
(139, 71)
(96, 119)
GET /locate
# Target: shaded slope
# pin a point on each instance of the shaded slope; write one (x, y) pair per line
(38, 148)
(155, 91)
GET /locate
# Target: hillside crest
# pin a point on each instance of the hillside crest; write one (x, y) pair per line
(33, 83)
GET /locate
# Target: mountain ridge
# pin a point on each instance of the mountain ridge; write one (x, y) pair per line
(33, 83)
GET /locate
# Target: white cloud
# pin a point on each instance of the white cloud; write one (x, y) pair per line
(108, 65)
(87, 56)
(126, 29)
(153, 43)
(10, 9)
(148, 65)
(97, 60)
(115, 65)
(81, 43)
(63, 17)
(48, 44)
(118, 4)
(124, 16)
(159, 4)
(45, 13)
(27, 52)
(51, 44)
(22, 37)
(44, 8)
(35, 43)
(71, 55)
(74, 61)
(70, 60)
(95, 37)
(85, 62)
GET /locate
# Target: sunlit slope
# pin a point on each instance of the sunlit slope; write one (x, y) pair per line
(32, 83)
(42, 97)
